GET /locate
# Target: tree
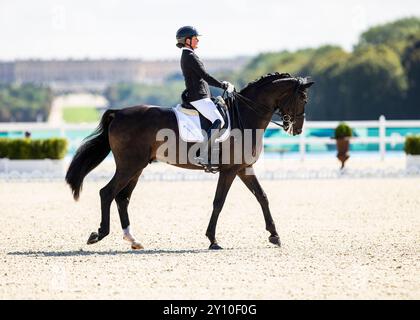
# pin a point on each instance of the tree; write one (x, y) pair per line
(411, 61)
(371, 83)
(397, 34)
(324, 67)
(131, 94)
(285, 61)
(26, 102)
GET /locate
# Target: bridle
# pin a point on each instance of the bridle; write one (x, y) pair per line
(257, 107)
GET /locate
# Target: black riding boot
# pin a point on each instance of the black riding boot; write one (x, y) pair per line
(208, 167)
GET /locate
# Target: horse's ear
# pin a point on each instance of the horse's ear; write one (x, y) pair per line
(307, 82)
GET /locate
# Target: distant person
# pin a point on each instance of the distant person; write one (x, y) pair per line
(27, 134)
(197, 80)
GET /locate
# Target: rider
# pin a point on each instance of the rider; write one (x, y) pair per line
(197, 81)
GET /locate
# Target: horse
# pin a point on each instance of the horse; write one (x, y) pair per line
(131, 134)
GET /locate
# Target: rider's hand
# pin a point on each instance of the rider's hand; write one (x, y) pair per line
(228, 87)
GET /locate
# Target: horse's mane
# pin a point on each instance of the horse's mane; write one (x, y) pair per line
(269, 77)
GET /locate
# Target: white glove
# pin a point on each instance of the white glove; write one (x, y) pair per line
(229, 87)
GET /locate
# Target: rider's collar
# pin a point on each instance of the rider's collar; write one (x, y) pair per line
(185, 48)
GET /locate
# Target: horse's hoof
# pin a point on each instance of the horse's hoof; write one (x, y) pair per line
(136, 246)
(215, 246)
(93, 238)
(275, 240)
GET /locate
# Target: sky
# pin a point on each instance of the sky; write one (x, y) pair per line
(95, 29)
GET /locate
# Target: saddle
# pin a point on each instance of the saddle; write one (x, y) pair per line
(191, 123)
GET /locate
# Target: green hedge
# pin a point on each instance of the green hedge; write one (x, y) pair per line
(412, 145)
(55, 148)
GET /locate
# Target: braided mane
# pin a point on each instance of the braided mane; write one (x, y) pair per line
(269, 77)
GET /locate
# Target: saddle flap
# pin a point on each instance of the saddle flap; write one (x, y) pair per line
(190, 125)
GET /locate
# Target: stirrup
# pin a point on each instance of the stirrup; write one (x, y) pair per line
(208, 167)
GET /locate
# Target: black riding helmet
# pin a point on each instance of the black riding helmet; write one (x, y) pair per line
(185, 33)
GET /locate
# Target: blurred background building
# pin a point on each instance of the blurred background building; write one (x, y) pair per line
(96, 75)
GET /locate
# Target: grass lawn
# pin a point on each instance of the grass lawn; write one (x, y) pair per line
(80, 114)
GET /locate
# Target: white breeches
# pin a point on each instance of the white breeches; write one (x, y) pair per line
(208, 109)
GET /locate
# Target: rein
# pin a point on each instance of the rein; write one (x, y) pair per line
(256, 107)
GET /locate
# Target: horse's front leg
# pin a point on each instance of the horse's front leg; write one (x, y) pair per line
(248, 177)
(223, 185)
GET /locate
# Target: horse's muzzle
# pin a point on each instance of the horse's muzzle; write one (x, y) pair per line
(297, 131)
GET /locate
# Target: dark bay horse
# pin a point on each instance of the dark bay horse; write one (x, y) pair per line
(131, 134)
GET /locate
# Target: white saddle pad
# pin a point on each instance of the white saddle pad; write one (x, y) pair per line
(190, 127)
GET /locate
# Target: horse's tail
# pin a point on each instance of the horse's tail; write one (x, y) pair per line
(90, 154)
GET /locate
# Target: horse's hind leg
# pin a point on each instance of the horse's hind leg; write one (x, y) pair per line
(123, 199)
(108, 193)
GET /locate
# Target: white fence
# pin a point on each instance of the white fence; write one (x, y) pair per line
(382, 124)
(301, 140)
(35, 127)
(40, 126)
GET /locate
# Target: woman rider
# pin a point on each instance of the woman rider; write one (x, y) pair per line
(197, 80)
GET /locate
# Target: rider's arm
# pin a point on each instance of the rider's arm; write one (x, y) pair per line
(198, 68)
